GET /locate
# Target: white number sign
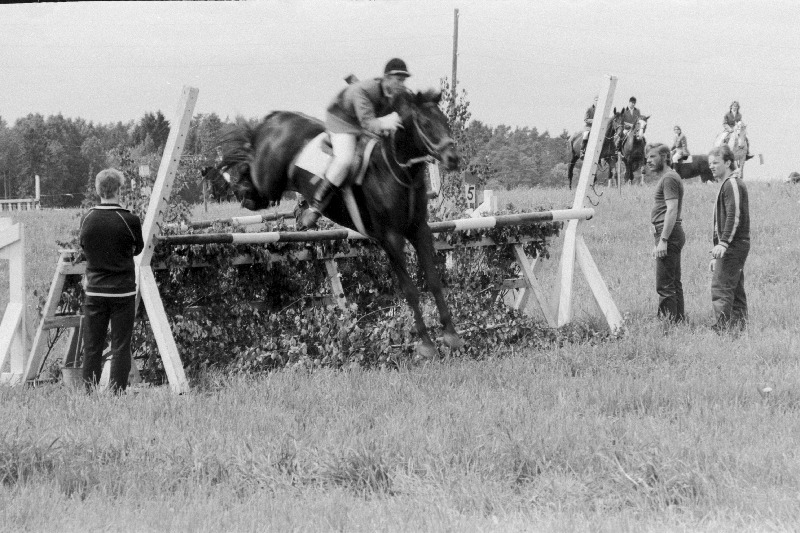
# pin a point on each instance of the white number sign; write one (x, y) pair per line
(471, 195)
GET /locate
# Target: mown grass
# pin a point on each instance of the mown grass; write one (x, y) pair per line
(684, 431)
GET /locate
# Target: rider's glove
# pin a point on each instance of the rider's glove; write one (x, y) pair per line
(389, 123)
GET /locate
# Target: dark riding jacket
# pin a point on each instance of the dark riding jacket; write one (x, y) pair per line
(631, 117)
(680, 143)
(730, 119)
(361, 103)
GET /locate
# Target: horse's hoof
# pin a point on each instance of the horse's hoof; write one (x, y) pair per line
(425, 350)
(453, 341)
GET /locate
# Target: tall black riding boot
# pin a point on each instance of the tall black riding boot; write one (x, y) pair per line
(318, 202)
(583, 146)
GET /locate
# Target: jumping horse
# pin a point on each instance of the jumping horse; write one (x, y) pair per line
(392, 200)
(607, 151)
(632, 152)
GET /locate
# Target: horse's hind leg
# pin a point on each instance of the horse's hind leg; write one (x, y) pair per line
(423, 243)
(394, 244)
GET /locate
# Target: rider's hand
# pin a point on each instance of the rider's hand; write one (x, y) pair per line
(389, 123)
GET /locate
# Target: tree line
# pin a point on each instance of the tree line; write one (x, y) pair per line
(68, 152)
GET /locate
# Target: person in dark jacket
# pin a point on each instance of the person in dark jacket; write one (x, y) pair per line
(731, 240)
(630, 116)
(110, 237)
(362, 105)
(680, 146)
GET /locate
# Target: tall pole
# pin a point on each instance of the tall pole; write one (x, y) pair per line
(455, 54)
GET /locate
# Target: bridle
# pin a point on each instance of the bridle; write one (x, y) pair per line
(434, 150)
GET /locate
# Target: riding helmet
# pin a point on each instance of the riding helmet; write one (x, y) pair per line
(396, 66)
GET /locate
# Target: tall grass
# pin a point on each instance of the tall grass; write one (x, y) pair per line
(656, 431)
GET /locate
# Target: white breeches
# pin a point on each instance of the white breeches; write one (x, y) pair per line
(344, 149)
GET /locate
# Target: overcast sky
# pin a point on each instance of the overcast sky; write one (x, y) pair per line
(522, 63)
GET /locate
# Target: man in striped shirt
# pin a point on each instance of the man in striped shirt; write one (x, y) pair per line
(110, 236)
(731, 242)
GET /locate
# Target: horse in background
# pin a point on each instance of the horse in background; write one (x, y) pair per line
(632, 152)
(608, 152)
(392, 200)
(220, 186)
(697, 166)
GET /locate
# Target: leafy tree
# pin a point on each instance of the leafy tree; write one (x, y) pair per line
(152, 125)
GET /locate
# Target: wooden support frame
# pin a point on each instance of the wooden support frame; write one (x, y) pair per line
(14, 327)
(159, 200)
(572, 238)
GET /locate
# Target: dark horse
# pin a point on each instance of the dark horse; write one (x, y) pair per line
(607, 152)
(392, 200)
(698, 166)
(632, 152)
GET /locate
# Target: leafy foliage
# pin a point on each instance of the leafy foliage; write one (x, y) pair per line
(275, 307)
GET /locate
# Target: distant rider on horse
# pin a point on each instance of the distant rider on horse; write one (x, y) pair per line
(363, 105)
(729, 123)
(630, 116)
(588, 118)
(680, 147)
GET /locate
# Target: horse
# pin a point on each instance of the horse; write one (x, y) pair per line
(220, 186)
(698, 166)
(632, 151)
(739, 145)
(392, 201)
(607, 151)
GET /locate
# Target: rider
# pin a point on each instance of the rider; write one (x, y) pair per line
(680, 148)
(588, 118)
(730, 119)
(362, 105)
(630, 116)
(729, 123)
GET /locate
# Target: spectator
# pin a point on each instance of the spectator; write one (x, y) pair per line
(668, 233)
(110, 236)
(731, 240)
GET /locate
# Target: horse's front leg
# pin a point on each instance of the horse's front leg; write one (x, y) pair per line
(422, 241)
(394, 244)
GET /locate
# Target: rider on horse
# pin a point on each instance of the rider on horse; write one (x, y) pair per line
(588, 118)
(729, 123)
(363, 105)
(680, 147)
(630, 116)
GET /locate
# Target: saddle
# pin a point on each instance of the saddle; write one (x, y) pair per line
(315, 158)
(318, 152)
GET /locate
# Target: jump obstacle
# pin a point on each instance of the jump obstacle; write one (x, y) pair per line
(25, 365)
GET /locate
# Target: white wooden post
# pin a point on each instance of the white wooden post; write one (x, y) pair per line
(564, 282)
(13, 329)
(159, 199)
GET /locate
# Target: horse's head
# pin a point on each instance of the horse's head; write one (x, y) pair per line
(640, 127)
(427, 126)
(740, 128)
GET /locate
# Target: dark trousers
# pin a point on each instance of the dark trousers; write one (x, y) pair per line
(728, 297)
(98, 313)
(668, 276)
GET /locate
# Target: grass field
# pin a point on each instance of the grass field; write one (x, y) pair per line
(683, 431)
